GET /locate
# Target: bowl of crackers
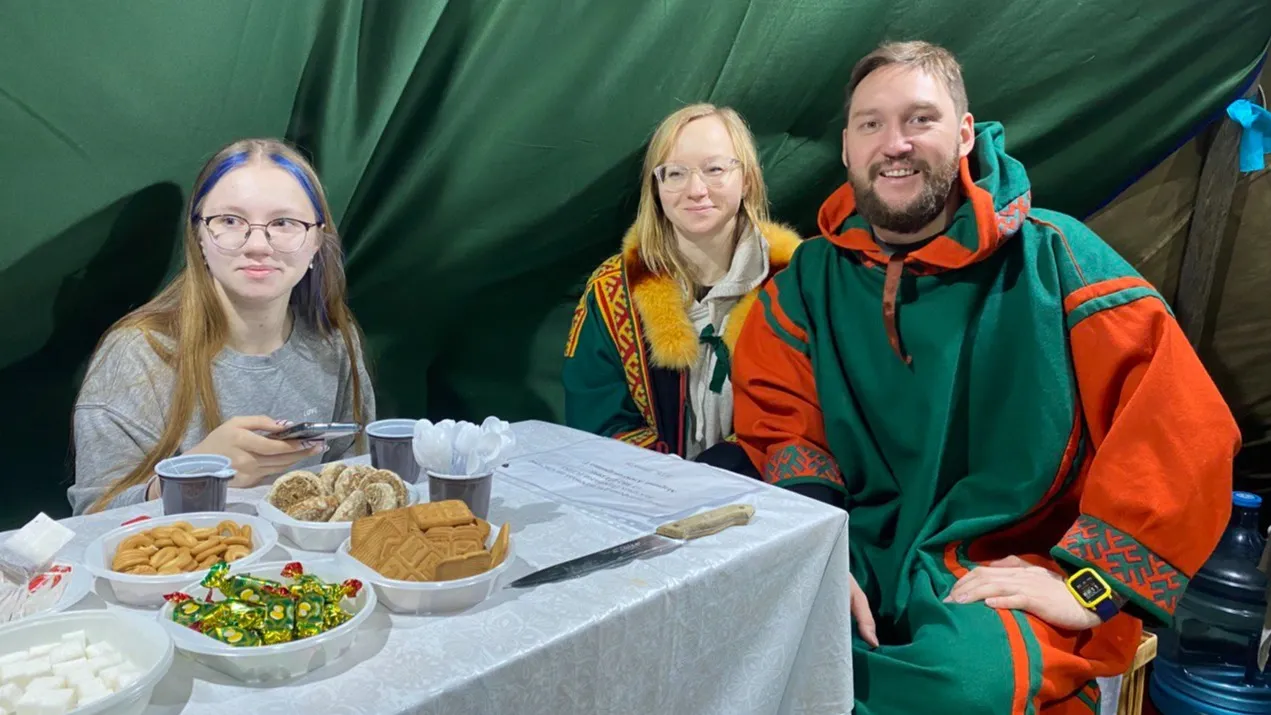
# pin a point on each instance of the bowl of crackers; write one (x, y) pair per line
(434, 557)
(316, 510)
(144, 560)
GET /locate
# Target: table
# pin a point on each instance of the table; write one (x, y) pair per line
(750, 620)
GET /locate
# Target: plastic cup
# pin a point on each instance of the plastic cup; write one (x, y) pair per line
(194, 482)
(471, 489)
(391, 447)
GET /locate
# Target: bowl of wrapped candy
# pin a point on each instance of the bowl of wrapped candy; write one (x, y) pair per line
(263, 623)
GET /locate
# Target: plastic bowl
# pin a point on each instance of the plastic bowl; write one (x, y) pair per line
(141, 590)
(138, 638)
(428, 597)
(316, 535)
(281, 661)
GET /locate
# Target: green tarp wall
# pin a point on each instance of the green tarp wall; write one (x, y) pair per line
(481, 155)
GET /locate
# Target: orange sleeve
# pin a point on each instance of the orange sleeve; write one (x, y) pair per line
(776, 413)
(1157, 493)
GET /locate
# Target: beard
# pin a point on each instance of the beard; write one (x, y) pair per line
(937, 182)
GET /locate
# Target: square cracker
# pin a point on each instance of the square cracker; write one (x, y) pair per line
(451, 512)
(499, 551)
(464, 566)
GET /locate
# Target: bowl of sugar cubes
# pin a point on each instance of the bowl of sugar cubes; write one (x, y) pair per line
(90, 662)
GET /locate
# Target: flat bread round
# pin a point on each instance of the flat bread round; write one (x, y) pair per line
(380, 497)
(355, 507)
(394, 482)
(317, 508)
(328, 476)
(292, 488)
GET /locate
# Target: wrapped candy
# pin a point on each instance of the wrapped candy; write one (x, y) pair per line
(232, 635)
(256, 611)
(279, 624)
(188, 611)
(241, 587)
(231, 612)
(309, 615)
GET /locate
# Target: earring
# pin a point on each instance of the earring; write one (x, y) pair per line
(310, 265)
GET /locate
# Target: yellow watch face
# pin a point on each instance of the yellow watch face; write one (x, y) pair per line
(1088, 587)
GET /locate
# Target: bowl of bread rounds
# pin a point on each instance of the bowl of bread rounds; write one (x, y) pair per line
(316, 510)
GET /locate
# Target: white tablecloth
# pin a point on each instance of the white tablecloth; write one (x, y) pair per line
(750, 620)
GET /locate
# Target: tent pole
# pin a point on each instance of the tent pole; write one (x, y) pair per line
(1218, 178)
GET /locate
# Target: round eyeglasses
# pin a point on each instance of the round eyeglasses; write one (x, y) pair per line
(714, 173)
(230, 232)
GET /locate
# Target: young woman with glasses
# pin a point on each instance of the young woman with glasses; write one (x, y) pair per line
(647, 359)
(252, 334)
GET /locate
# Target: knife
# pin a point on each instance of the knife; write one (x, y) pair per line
(665, 539)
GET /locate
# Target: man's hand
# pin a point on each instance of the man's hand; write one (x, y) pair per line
(862, 615)
(1015, 584)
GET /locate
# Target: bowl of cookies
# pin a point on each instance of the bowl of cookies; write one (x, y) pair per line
(434, 557)
(144, 560)
(315, 511)
(268, 622)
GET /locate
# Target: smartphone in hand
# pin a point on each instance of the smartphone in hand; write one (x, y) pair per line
(316, 431)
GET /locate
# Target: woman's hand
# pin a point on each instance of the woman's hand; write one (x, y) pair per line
(254, 456)
(862, 615)
(1015, 584)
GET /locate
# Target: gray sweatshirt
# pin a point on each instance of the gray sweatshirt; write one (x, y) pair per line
(128, 389)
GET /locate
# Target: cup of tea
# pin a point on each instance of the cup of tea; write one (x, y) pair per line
(391, 447)
(194, 482)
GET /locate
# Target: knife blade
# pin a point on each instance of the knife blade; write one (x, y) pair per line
(665, 539)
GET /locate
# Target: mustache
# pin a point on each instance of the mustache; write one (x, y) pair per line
(916, 164)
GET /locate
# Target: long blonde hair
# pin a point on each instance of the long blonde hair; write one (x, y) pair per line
(658, 248)
(189, 313)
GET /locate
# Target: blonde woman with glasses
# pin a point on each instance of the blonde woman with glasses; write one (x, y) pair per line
(253, 333)
(648, 353)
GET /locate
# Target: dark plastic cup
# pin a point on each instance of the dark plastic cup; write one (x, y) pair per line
(194, 482)
(391, 443)
(471, 489)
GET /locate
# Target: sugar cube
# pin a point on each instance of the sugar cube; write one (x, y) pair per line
(104, 661)
(94, 650)
(128, 677)
(77, 638)
(9, 696)
(68, 668)
(90, 690)
(42, 649)
(110, 676)
(14, 657)
(46, 702)
(25, 671)
(64, 652)
(46, 682)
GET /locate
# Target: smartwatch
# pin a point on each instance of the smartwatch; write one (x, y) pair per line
(1092, 592)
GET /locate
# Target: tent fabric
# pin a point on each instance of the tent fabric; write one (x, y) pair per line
(481, 157)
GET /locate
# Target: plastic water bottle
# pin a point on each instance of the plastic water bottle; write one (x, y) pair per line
(1207, 661)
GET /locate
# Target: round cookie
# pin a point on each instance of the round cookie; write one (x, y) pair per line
(318, 508)
(328, 475)
(380, 497)
(292, 488)
(347, 482)
(394, 482)
(352, 508)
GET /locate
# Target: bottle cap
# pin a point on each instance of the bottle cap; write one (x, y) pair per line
(1246, 499)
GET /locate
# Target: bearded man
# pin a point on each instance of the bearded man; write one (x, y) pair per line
(1033, 459)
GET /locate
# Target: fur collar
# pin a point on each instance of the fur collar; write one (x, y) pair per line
(663, 315)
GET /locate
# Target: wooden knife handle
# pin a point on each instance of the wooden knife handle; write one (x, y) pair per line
(710, 522)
